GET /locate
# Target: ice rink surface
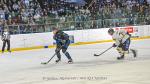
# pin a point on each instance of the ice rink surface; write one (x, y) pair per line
(24, 67)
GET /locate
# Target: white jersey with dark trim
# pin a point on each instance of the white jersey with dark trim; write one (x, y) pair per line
(120, 36)
(5, 36)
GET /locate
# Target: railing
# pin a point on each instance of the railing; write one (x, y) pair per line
(78, 25)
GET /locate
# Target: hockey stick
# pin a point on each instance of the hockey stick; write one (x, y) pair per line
(52, 57)
(103, 51)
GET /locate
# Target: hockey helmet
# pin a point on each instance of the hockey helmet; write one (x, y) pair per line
(111, 31)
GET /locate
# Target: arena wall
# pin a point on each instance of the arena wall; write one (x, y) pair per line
(40, 40)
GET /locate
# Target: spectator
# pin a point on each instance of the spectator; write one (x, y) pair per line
(15, 7)
(2, 13)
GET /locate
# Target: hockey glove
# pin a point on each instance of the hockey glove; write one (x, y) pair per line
(120, 45)
(58, 43)
(114, 45)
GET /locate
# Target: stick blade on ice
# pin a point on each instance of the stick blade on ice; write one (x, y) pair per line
(44, 63)
(96, 55)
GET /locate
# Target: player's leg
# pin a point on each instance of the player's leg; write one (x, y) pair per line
(57, 51)
(126, 45)
(8, 45)
(134, 52)
(64, 50)
(124, 49)
(4, 44)
(121, 52)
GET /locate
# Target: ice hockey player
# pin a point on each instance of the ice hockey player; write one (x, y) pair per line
(122, 42)
(62, 43)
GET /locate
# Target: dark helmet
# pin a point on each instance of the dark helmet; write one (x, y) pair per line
(111, 31)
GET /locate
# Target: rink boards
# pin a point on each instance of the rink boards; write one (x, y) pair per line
(81, 37)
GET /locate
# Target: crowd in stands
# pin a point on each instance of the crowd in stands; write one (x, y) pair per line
(96, 13)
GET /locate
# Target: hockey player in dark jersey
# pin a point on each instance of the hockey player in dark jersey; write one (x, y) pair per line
(62, 43)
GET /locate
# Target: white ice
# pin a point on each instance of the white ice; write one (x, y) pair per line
(24, 67)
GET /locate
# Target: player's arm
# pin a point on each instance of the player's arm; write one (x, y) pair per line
(65, 39)
(2, 36)
(65, 36)
(124, 36)
(58, 42)
(117, 42)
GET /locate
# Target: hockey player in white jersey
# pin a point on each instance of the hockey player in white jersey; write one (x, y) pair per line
(122, 42)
